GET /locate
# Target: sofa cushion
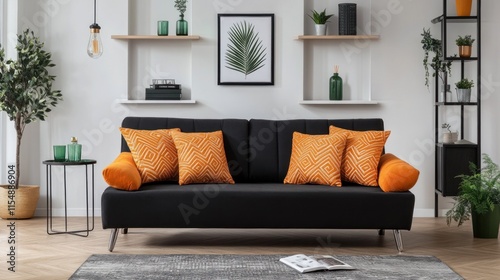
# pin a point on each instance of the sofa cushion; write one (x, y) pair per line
(154, 153)
(316, 159)
(362, 155)
(235, 132)
(396, 175)
(201, 158)
(122, 173)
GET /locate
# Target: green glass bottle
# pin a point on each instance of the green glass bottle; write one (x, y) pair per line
(336, 85)
(182, 27)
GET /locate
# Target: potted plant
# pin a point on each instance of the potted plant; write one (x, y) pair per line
(181, 28)
(463, 90)
(320, 19)
(26, 96)
(449, 137)
(479, 198)
(465, 46)
(441, 68)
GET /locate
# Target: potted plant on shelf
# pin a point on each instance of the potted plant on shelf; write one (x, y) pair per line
(464, 89)
(449, 137)
(26, 96)
(441, 68)
(465, 46)
(181, 28)
(479, 197)
(320, 20)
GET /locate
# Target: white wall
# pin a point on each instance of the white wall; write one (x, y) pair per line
(90, 87)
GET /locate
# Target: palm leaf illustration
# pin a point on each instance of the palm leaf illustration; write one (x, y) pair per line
(245, 52)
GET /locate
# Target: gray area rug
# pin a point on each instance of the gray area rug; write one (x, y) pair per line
(116, 266)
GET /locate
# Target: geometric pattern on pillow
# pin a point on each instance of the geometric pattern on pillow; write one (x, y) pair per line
(154, 153)
(316, 159)
(202, 158)
(362, 155)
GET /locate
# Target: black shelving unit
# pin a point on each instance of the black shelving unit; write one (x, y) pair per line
(453, 159)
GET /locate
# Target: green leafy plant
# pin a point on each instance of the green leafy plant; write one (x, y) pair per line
(320, 18)
(446, 126)
(26, 93)
(245, 53)
(465, 41)
(479, 192)
(465, 84)
(440, 67)
(180, 5)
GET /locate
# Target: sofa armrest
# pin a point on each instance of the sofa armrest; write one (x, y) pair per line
(122, 173)
(396, 175)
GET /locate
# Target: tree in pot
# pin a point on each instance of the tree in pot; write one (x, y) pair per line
(479, 197)
(465, 45)
(441, 67)
(26, 96)
(464, 87)
(320, 19)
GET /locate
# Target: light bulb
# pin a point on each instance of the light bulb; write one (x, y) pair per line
(94, 48)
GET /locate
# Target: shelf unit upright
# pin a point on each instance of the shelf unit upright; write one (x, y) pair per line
(453, 159)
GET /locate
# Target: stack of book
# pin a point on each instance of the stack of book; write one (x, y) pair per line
(164, 92)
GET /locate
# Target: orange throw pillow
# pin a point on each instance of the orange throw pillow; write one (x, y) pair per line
(316, 159)
(202, 158)
(154, 153)
(122, 173)
(362, 155)
(396, 175)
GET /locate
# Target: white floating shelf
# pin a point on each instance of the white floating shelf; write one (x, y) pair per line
(340, 102)
(339, 37)
(152, 102)
(154, 37)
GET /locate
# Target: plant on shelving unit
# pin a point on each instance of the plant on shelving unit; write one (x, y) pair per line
(449, 137)
(479, 194)
(465, 46)
(464, 90)
(465, 84)
(320, 19)
(440, 67)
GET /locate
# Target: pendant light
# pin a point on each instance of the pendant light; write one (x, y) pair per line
(94, 48)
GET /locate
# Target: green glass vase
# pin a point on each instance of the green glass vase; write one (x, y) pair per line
(335, 87)
(181, 27)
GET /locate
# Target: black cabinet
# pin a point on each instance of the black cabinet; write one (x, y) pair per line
(452, 160)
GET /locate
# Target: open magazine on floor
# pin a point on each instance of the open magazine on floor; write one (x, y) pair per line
(303, 263)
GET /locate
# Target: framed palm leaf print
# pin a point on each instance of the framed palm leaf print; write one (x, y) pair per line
(246, 49)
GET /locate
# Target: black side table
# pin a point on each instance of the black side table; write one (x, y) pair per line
(64, 164)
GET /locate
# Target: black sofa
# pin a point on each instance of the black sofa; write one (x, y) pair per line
(258, 154)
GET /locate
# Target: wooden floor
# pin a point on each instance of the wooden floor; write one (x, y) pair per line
(40, 256)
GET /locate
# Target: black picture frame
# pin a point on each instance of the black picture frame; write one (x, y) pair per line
(242, 38)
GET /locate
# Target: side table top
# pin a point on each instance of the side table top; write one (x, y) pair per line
(81, 162)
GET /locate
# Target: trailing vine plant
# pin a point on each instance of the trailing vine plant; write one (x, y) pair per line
(437, 63)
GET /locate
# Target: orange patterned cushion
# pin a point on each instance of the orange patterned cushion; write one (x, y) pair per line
(154, 153)
(362, 155)
(202, 158)
(122, 173)
(316, 159)
(396, 175)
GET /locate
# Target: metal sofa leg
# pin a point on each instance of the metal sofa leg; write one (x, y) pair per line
(381, 232)
(112, 239)
(124, 230)
(398, 239)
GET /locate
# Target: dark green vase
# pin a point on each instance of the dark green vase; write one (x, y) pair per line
(486, 225)
(181, 27)
(335, 87)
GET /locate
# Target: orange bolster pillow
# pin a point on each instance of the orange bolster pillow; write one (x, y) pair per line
(122, 173)
(396, 175)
